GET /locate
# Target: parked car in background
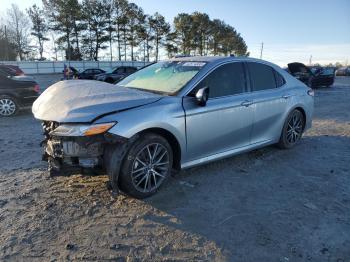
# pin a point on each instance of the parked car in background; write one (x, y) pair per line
(90, 73)
(343, 71)
(15, 70)
(116, 74)
(322, 76)
(315, 77)
(16, 92)
(8, 70)
(171, 115)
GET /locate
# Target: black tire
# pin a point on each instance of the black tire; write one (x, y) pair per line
(149, 158)
(293, 129)
(8, 106)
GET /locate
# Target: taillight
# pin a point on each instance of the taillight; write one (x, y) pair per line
(37, 88)
(311, 92)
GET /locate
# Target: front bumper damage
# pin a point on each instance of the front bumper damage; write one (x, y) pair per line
(68, 154)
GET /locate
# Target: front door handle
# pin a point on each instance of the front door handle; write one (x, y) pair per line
(247, 103)
(286, 96)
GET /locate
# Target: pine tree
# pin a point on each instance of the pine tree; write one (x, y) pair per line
(39, 27)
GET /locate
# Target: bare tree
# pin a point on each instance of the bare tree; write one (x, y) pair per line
(19, 26)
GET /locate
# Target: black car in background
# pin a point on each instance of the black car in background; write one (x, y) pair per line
(116, 74)
(316, 77)
(16, 92)
(12, 70)
(90, 73)
(323, 76)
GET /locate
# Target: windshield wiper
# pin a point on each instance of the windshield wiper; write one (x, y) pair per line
(149, 90)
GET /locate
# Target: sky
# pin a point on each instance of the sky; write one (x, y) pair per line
(290, 30)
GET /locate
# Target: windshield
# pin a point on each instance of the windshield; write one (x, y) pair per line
(163, 77)
(110, 71)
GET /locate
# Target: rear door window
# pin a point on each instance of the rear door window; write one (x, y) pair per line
(279, 79)
(262, 77)
(228, 79)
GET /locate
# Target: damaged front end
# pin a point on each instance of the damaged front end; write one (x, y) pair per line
(69, 147)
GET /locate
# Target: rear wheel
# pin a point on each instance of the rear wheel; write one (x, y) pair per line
(292, 130)
(8, 106)
(146, 166)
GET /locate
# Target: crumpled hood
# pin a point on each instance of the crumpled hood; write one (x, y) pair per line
(84, 100)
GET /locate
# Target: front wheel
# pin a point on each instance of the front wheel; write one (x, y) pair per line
(8, 106)
(292, 130)
(146, 166)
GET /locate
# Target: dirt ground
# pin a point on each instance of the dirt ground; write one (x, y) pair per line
(266, 205)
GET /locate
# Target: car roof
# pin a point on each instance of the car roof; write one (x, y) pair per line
(214, 59)
(124, 66)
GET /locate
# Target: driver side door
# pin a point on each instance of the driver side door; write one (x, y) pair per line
(225, 122)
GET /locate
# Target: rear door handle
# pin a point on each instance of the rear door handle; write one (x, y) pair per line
(286, 96)
(247, 103)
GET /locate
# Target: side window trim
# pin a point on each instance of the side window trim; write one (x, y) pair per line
(248, 82)
(276, 74)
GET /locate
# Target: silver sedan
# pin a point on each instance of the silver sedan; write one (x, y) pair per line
(171, 115)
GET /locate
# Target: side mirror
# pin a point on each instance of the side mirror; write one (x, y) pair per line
(202, 96)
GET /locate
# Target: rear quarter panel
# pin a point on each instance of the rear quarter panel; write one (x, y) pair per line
(300, 98)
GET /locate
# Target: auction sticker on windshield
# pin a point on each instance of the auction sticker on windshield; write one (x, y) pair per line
(196, 64)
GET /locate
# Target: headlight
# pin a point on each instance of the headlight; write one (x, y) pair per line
(82, 130)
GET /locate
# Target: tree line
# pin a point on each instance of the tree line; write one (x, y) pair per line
(85, 29)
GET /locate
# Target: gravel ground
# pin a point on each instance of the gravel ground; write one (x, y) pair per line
(266, 205)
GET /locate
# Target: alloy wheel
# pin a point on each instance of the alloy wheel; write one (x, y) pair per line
(7, 107)
(295, 128)
(150, 167)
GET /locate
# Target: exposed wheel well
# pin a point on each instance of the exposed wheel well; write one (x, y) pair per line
(175, 146)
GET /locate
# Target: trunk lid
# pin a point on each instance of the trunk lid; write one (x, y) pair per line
(295, 68)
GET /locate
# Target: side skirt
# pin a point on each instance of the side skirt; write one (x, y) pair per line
(226, 154)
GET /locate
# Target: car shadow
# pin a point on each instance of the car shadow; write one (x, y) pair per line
(269, 199)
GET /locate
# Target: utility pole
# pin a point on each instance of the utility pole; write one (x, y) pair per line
(261, 49)
(310, 60)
